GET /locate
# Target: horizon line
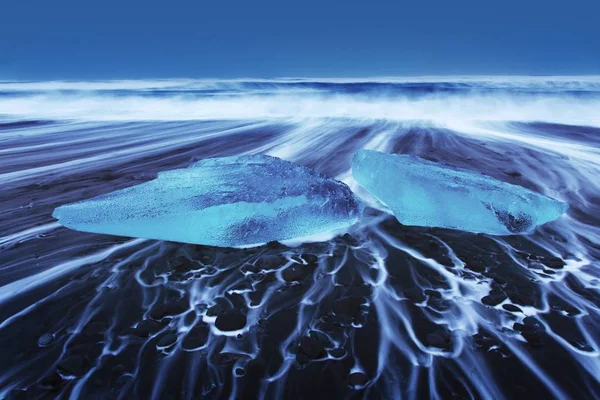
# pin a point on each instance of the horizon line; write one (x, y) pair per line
(348, 79)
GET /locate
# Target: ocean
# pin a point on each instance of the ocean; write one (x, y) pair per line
(382, 310)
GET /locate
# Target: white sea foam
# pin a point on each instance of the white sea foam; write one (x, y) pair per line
(442, 109)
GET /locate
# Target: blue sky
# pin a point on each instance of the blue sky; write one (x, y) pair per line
(69, 39)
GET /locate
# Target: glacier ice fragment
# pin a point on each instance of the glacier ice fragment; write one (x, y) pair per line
(424, 193)
(230, 201)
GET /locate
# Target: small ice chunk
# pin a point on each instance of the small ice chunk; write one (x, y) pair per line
(424, 193)
(231, 201)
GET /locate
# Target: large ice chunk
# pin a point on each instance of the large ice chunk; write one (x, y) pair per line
(424, 193)
(231, 201)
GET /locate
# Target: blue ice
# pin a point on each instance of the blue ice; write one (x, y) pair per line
(424, 193)
(231, 201)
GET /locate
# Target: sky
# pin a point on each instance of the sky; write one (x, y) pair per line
(109, 39)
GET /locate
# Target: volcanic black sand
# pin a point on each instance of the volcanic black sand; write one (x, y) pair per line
(383, 311)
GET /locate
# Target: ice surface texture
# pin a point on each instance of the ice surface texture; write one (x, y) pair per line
(424, 193)
(231, 201)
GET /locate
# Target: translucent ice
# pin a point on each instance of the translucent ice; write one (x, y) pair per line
(424, 193)
(230, 201)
